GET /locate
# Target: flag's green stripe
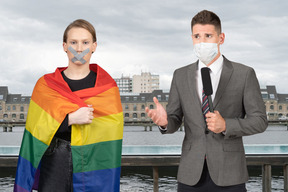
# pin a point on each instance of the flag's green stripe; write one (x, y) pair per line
(98, 156)
(32, 149)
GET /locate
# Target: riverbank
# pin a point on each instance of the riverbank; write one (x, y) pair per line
(134, 135)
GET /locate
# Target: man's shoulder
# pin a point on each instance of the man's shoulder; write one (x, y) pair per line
(185, 68)
(237, 65)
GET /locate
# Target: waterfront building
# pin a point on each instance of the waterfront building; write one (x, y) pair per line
(124, 84)
(145, 83)
(276, 103)
(13, 107)
(134, 104)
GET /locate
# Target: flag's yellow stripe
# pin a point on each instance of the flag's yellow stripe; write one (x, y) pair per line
(102, 129)
(40, 123)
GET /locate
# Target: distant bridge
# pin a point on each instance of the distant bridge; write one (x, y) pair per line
(8, 125)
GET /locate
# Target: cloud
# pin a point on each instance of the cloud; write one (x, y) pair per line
(135, 36)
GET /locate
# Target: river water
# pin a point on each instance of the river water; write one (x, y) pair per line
(140, 179)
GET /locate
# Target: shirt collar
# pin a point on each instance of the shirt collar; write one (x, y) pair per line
(214, 67)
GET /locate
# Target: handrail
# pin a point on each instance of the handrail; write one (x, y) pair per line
(155, 161)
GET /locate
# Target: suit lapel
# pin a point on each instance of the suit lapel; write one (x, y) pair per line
(224, 80)
(192, 71)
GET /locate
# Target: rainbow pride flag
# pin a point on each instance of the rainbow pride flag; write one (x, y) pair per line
(96, 147)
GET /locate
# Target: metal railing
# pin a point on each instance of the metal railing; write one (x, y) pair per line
(8, 126)
(155, 161)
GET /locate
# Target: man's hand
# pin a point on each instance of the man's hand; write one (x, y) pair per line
(158, 115)
(215, 122)
(84, 115)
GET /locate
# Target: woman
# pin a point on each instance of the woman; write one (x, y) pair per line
(74, 124)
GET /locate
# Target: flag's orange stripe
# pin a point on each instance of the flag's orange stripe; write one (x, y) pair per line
(104, 104)
(52, 102)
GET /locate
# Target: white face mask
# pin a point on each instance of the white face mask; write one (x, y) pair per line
(206, 52)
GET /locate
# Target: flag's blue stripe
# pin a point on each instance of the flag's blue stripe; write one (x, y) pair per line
(106, 180)
(25, 172)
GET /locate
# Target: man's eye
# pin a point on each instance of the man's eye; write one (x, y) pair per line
(208, 36)
(196, 36)
(73, 42)
(86, 42)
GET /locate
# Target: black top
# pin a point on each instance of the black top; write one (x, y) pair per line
(64, 131)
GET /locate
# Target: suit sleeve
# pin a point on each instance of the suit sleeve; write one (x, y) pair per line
(174, 108)
(255, 120)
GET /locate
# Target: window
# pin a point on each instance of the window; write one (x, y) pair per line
(151, 106)
(264, 96)
(22, 108)
(142, 98)
(134, 98)
(143, 107)
(126, 107)
(126, 114)
(272, 96)
(5, 116)
(166, 97)
(280, 107)
(21, 116)
(134, 115)
(14, 107)
(0, 107)
(13, 115)
(15, 99)
(272, 107)
(8, 108)
(143, 114)
(135, 107)
(1, 96)
(159, 97)
(23, 99)
(127, 98)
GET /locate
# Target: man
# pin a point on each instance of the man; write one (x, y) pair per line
(74, 124)
(213, 157)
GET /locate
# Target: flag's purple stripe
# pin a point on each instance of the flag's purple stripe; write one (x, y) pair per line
(18, 188)
(107, 180)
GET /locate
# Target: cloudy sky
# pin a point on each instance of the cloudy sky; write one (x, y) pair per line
(133, 36)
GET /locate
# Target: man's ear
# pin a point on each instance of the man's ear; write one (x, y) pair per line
(222, 38)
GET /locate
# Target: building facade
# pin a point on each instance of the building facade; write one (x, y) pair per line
(276, 104)
(134, 104)
(145, 83)
(13, 107)
(124, 84)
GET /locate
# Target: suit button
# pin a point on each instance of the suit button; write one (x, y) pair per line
(206, 131)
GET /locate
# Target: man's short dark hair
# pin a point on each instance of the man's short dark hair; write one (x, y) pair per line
(207, 17)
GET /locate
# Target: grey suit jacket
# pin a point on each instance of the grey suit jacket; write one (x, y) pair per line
(238, 99)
